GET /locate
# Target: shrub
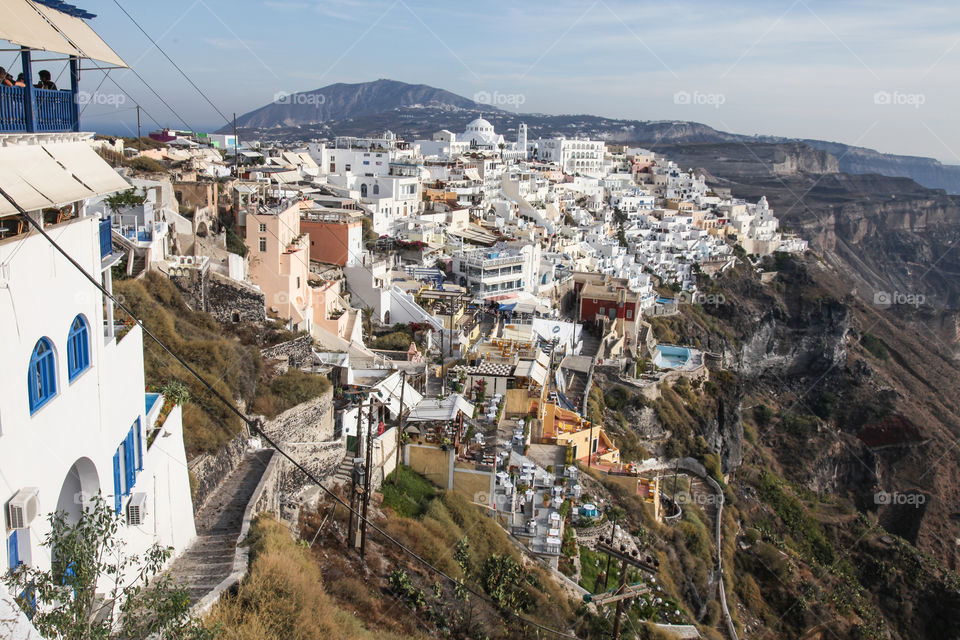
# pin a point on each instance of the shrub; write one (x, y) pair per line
(762, 415)
(143, 163)
(875, 346)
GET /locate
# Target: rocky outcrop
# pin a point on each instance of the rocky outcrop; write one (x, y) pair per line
(812, 342)
(724, 432)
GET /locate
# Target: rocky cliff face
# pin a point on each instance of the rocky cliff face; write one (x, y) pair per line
(812, 341)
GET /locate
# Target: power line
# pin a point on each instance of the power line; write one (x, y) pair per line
(176, 66)
(254, 426)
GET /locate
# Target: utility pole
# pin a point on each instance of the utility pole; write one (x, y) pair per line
(366, 481)
(139, 135)
(396, 471)
(236, 149)
(353, 477)
(623, 582)
(648, 565)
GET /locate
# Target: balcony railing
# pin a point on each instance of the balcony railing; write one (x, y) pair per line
(55, 111)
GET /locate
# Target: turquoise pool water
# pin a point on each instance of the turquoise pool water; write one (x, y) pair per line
(671, 357)
(151, 399)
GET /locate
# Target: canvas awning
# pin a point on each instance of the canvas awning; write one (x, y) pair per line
(24, 25)
(40, 27)
(53, 175)
(87, 165)
(81, 36)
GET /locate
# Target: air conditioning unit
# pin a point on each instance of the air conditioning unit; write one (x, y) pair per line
(23, 508)
(137, 510)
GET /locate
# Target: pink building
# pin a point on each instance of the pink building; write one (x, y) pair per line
(280, 263)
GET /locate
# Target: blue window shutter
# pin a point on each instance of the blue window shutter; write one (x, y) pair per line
(116, 481)
(139, 439)
(32, 386)
(13, 551)
(129, 464)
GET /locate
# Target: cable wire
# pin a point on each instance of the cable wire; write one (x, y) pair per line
(176, 66)
(254, 426)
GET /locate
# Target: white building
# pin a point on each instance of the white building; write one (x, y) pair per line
(573, 156)
(498, 273)
(74, 418)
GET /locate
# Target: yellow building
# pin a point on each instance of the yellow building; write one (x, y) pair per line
(567, 428)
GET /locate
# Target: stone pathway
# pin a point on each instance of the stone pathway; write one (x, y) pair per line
(210, 558)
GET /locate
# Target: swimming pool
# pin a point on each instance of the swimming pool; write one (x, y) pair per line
(668, 357)
(151, 399)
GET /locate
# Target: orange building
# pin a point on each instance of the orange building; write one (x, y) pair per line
(336, 236)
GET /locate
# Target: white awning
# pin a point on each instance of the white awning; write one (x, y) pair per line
(40, 27)
(23, 24)
(53, 175)
(81, 36)
(18, 189)
(43, 173)
(286, 177)
(88, 167)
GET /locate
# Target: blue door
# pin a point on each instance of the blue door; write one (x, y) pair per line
(13, 550)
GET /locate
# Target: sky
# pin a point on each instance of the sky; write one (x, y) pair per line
(877, 74)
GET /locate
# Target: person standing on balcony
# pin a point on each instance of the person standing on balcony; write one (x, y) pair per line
(45, 81)
(20, 82)
(5, 78)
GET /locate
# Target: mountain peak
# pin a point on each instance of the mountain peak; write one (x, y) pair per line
(343, 100)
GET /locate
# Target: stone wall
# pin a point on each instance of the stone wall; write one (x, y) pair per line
(306, 433)
(209, 469)
(297, 352)
(225, 299)
(232, 301)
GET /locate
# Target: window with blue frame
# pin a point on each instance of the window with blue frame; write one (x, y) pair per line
(78, 348)
(42, 374)
(127, 461)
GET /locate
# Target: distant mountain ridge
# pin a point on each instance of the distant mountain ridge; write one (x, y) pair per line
(341, 100)
(418, 110)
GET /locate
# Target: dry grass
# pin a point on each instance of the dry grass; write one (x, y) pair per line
(283, 596)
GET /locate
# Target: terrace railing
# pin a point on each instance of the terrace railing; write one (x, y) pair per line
(56, 111)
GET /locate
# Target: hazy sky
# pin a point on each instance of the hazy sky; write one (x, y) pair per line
(877, 74)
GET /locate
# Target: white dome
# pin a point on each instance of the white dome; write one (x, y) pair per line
(480, 125)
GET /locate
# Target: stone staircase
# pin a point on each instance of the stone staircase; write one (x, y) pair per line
(344, 472)
(209, 560)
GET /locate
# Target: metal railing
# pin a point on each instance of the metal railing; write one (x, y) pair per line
(54, 110)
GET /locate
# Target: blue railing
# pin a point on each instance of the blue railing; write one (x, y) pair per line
(55, 110)
(106, 242)
(12, 116)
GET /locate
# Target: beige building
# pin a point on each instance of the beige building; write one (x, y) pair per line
(280, 262)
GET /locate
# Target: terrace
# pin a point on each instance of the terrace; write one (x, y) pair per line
(49, 26)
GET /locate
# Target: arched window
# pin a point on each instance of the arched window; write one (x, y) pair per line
(42, 375)
(78, 348)
(363, 190)
(376, 189)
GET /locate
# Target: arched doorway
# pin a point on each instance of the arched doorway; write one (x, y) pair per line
(80, 485)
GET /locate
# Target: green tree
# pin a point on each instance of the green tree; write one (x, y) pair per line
(124, 200)
(88, 559)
